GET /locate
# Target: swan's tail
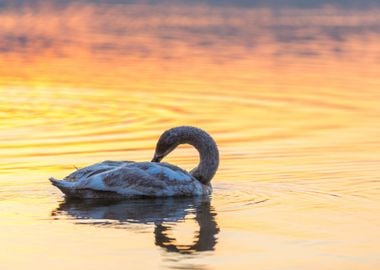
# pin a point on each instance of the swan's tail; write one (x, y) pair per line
(71, 190)
(64, 186)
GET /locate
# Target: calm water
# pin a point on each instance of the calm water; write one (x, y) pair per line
(290, 92)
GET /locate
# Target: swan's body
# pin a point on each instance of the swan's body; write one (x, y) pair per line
(121, 179)
(110, 179)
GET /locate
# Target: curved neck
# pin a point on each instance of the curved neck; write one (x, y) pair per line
(208, 153)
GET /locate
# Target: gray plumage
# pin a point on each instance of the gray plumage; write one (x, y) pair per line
(120, 179)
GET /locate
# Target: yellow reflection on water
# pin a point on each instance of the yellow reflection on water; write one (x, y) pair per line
(290, 95)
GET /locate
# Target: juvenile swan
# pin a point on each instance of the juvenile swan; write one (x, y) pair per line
(124, 179)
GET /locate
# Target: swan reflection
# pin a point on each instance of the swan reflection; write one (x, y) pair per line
(164, 213)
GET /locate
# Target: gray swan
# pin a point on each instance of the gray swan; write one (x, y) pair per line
(129, 179)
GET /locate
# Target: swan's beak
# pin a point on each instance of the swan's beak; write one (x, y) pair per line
(156, 158)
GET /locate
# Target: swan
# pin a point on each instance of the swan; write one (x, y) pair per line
(128, 179)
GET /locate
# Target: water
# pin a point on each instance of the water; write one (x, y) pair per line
(289, 91)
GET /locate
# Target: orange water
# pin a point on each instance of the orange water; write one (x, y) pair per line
(291, 94)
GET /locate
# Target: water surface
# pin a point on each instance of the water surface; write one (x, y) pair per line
(290, 92)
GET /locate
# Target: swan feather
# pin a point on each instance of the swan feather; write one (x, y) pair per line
(130, 179)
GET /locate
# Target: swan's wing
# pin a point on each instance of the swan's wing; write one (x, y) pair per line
(131, 179)
(95, 169)
(145, 179)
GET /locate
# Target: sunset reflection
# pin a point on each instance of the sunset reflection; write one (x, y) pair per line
(78, 45)
(288, 89)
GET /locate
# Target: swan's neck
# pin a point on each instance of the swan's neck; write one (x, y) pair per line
(208, 153)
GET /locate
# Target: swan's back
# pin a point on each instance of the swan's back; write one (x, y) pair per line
(95, 169)
(131, 179)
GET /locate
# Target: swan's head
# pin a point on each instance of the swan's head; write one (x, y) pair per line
(168, 141)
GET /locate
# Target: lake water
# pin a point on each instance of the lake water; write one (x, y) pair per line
(290, 92)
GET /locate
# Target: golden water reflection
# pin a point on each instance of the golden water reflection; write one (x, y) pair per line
(290, 93)
(165, 214)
